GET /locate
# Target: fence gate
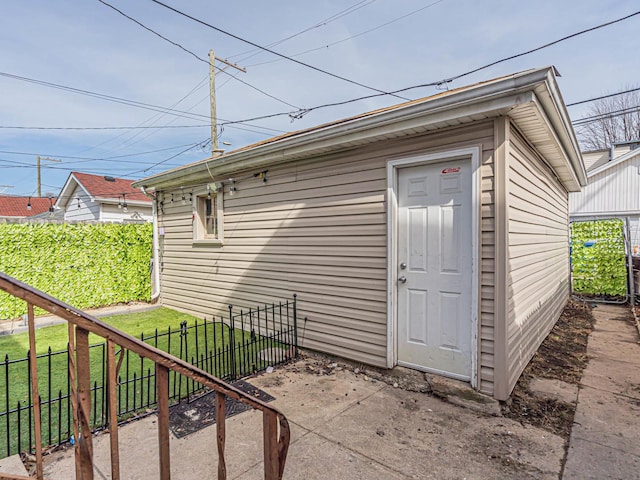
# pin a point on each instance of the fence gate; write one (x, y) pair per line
(600, 260)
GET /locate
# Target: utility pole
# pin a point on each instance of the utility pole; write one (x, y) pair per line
(38, 165)
(212, 89)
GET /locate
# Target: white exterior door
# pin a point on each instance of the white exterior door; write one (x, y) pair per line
(435, 268)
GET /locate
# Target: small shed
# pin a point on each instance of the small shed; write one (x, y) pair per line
(431, 234)
(85, 197)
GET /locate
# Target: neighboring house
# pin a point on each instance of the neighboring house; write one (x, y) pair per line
(86, 197)
(15, 207)
(431, 234)
(613, 188)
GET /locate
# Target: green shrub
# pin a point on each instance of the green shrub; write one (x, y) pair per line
(85, 265)
(598, 257)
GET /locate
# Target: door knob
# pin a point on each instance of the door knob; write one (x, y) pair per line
(403, 266)
(402, 279)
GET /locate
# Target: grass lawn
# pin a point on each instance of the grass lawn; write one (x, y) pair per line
(205, 345)
(17, 346)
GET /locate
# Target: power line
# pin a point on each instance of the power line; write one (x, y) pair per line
(102, 96)
(606, 115)
(139, 127)
(33, 154)
(273, 52)
(204, 142)
(131, 103)
(321, 23)
(197, 57)
(603, 97)
(351, 37)
(301, 113)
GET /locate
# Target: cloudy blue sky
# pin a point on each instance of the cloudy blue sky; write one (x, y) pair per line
(88, 46)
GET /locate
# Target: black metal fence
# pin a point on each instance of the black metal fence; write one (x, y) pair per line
(229, 347)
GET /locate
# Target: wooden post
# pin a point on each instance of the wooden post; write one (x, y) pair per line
(74, 395)
(162, 385)
(221, 433)
(113, 409)
(84, 404)
(212, 93)
(34, 391)
(271, 454)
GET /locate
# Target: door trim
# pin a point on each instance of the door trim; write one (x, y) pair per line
(472, 153)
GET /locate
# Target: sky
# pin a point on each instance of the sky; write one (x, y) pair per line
(382, 44)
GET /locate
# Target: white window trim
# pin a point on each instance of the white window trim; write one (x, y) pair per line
(198, 225)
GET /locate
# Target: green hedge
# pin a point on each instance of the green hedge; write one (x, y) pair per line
(598, 257)
(85, 265)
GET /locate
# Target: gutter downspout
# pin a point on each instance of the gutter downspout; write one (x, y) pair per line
(155, 280)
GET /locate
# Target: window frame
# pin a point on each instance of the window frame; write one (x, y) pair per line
(200, 237)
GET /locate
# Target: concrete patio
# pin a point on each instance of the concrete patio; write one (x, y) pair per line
(344, 426)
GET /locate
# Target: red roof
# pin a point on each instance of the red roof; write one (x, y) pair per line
(11, 206)
(99, 186)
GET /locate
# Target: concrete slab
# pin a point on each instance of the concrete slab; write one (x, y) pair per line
(592, 461)
(193, 456)
(343, 426)
(311, 400)
(555, 389)
(605, 437)
(13, 466)
(608, 419)
(424, 437)
(613, 375)
(338, 463)
(461, 394)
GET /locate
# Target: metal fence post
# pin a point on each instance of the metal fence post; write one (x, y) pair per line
(232, 343)
(295, 325)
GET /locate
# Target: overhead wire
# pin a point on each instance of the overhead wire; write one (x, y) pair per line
(351, 37)
(602, 97)
(197, 57)
(273, 52)
(300, 114)
(321, 23)
(606, 115)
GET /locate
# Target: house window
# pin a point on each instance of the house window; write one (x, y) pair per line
(208, 219)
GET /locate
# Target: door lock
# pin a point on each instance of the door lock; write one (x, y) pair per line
(403, 266)
(402, 279)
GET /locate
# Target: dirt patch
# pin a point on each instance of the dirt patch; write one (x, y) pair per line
(562, 356)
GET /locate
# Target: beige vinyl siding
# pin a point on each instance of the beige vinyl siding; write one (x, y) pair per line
(317, 227)
(538, 254)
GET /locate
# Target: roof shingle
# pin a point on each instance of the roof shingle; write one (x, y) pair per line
(99, 186)
(13, 206)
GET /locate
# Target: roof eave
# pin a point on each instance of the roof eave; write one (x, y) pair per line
(115, 201)
(67, 189)
(490, 99)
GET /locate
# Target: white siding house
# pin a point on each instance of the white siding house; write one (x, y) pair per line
(432, 234)
(86, 197)
(613, 188)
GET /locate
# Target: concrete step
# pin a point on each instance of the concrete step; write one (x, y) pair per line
(13, 465)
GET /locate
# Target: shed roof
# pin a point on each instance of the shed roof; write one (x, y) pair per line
(531, 98)
(17, 206)
(102, 189)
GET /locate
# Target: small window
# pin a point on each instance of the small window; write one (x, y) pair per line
(208, 218)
